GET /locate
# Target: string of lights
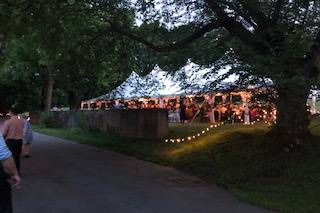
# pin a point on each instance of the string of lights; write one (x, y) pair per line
(263, 117)
(211, 127)
(206, 130)
(193, 137)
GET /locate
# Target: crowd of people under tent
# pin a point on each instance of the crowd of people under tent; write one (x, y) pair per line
(204, 108)
(235, 107)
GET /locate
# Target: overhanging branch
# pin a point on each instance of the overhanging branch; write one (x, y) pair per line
(174, 45)
(238, 30)
(277, 11)
(313, 58)
(254, 10)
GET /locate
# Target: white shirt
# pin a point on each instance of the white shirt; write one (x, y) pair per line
(4, 151)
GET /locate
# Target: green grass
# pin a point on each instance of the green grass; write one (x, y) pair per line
(237, 157)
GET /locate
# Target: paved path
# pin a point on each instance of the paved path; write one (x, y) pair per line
(66, 177)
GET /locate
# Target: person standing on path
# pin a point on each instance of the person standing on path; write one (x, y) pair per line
(12, 131)
(182, 110)
(8, 175)
(27, 137)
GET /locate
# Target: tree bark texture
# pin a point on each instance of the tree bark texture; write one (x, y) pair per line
(74, 101)
(291, 128)
(48, 90)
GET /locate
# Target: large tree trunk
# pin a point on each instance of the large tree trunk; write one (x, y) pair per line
(48, 90)
(42, 97)
(291, 128)
(74, 101)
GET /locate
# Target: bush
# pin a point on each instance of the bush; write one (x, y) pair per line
(48, 120)
(83, 122)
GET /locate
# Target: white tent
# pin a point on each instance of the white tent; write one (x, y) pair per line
(191, 79)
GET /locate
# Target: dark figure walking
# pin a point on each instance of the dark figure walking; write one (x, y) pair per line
(182, 111)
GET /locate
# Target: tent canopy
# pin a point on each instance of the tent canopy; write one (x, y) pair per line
(191, 79)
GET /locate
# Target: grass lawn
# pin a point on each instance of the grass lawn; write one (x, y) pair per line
(237, 157)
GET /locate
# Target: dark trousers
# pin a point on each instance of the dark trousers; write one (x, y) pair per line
(5, 196)
(15, 146)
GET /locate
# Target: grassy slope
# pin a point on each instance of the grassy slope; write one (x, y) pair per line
(237, 157)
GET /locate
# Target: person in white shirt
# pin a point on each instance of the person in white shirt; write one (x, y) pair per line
(9, 177)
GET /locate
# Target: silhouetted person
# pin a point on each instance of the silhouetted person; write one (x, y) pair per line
(182, 111)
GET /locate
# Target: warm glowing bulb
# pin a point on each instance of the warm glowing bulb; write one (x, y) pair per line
(189, 138)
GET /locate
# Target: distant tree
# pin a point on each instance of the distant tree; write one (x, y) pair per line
(63, 39)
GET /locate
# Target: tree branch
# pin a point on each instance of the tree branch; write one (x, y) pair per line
(254, 11)
(238, 30)
(277, 11)
(171, 47)
(244, 14)
(313, 58)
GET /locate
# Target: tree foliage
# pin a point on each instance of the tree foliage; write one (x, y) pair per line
(70, 42)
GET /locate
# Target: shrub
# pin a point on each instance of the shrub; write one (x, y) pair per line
(84, 122)
(48, 120)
